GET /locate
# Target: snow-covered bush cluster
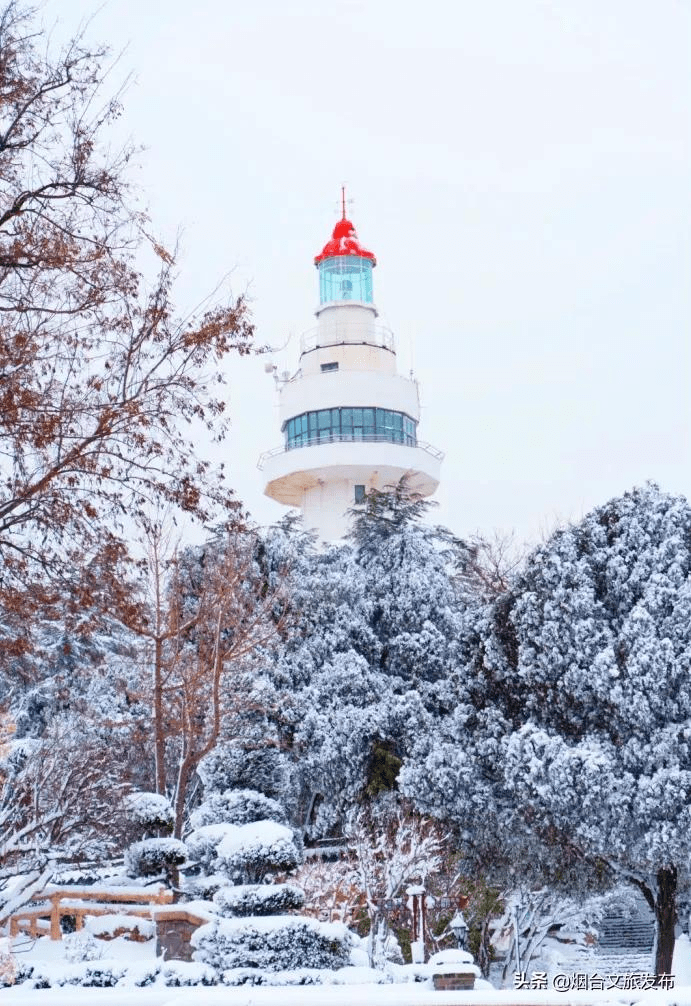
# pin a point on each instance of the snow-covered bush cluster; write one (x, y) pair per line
(258, 899)
(272, 943)
(305, 976)
(246, 853)
(154, 856)
(99, 974)
(237, 806)
(233, 840)
(177, 974)
(151, 812)
(109, 972)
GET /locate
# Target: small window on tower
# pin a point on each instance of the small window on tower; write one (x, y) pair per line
(328, 367)
(359, 494)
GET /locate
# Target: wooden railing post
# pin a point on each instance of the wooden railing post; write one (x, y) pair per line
(55, 931)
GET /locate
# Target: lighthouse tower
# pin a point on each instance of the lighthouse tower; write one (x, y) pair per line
(349, 420)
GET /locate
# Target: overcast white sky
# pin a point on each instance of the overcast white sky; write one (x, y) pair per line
(522, 170)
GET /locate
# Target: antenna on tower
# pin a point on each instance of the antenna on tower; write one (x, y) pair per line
(344, 202)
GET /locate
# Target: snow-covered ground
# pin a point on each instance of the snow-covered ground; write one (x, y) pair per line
(374, 995)
(51, 958)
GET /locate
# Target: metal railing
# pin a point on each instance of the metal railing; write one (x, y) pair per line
(353, 334)
(344, 438)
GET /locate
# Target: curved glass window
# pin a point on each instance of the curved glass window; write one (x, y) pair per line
(345, 277)
(328, 425)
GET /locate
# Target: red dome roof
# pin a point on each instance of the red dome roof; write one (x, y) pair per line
(344, 241)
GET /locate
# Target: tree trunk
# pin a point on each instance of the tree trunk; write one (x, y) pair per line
(666, 917)
(379, 948)
(159, 735)
(372, 936)
(484, 956)
(185, 772)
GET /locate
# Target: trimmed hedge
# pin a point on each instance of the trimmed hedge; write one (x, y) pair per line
(274, 943)
(258, 899)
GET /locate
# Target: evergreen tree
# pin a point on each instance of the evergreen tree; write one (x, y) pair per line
(378, 650)
(579, 731)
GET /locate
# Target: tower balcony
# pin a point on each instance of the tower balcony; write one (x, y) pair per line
(338, 328)
(291, 473)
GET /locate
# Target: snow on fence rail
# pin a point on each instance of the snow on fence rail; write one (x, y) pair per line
(77, 903)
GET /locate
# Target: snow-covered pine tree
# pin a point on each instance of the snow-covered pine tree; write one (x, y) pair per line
(319, 681)
(581, 730)
(422, 602)
(380, 641)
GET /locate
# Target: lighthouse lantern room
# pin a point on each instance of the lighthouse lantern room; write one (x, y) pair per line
(349, 420)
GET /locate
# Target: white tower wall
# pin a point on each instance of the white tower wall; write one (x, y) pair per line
(349, 388)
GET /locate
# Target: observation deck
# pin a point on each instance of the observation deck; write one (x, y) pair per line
(292, 471)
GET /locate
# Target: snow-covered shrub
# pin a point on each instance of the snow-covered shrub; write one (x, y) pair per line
(231, 767)
(154, 856)
(273, 943)
(257, 976)
(40, 977)
(401, 974)
(203, 842)
(258, 899)
(82, 947)
(21, 971)
(103, 974)
(247, 853)
(151, 812)
(237, 806)
(359, 976)
(204, 887)
(306, 976)
(141, 973)
(179, 973)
